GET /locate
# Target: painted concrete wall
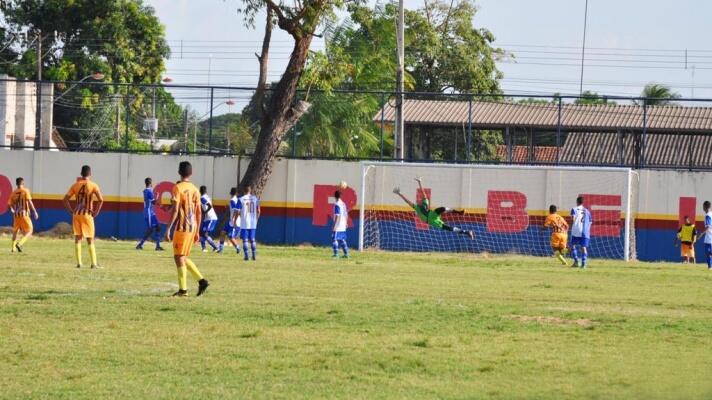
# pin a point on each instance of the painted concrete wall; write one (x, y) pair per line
(297, 201)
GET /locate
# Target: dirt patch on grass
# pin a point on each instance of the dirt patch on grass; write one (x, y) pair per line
(549, 320)
(60, 231)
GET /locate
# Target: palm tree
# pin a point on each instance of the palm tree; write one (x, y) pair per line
(655, 94)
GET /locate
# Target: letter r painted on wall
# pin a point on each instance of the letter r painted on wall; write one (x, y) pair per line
(323, 203)
(506, 211)
(5, 193)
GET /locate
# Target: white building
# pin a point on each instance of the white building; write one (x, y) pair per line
(18, 114)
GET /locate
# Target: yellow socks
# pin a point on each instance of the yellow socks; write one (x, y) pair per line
(78, 252)
(193, 269)
(23, 240)
(92, 254)
(560, 257)
(182, 278)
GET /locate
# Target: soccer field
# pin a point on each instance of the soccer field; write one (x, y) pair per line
(297, 324)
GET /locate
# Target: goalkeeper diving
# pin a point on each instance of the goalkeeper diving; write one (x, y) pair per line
(433, 217)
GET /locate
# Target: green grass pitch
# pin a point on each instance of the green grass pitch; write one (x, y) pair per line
(297, 324)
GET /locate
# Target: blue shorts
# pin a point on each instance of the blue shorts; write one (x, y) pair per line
(708, 248)
(580, 241)
(230, 231)
(208, 225)
(151, 220)
(247, 234)
(338, 235)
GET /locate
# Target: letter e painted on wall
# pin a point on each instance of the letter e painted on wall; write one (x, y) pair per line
(323, 203)
(606, 222)
(5, 193)
(163, 212)
(506, 211)
(687, 206)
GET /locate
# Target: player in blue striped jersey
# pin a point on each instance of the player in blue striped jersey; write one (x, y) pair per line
(580, 232)
(210, 219)
(249, 206)
(707, 233)
(149, 215)
(341, 222)
(232, 225)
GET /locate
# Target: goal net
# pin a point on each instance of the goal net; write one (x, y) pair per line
(504, 206)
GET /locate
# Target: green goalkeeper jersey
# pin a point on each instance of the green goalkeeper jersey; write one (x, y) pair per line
(427, 215)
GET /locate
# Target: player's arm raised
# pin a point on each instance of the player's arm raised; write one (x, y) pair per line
(398, 192)
(420, 188)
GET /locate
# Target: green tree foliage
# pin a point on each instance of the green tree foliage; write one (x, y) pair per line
(122, 39)
(443, 53)
(592, 98)
(655, 94)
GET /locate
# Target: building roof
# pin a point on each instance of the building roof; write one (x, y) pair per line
(520, 154)
(658, 149)
(574, 117)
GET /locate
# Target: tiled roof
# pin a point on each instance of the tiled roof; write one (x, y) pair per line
(520, 154)
(658, 149)
(546, 116)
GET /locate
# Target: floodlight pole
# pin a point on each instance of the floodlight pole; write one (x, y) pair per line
(400, 53)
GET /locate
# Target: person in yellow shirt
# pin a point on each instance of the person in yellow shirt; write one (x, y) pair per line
(559, 227)
(20, 204)
(687, 235)
(184, 226)
(87, 205)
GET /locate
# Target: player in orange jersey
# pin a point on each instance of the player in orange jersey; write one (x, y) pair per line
(559, 227)
(84, 210)
(20, 204)
(185, 221)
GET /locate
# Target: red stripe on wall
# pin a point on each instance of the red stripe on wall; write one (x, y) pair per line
(298, 212)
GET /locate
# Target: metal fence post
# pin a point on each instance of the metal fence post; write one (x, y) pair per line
(558, 134)
(38, 116)
(210, 121)
(644, 138)
(294, 140)
(469, 128)
(128, 118)
(383, 107)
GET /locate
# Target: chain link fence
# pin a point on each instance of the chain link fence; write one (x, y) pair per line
(91, 115)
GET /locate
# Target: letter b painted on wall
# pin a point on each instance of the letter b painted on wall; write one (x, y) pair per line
(506, 211)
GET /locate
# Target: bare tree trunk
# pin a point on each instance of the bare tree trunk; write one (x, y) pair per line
(258, 112)
(280, 116)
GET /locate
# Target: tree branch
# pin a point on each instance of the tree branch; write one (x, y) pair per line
(447, 18)
(263, 59)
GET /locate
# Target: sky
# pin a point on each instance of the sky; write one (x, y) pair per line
(628, 43)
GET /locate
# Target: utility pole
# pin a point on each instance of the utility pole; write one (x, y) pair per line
(400, 50)
(185, 131)
(583, 47)
(153, 114)
(38, 90)
(195, 135)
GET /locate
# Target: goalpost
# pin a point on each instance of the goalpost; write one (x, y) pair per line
(505, 207)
